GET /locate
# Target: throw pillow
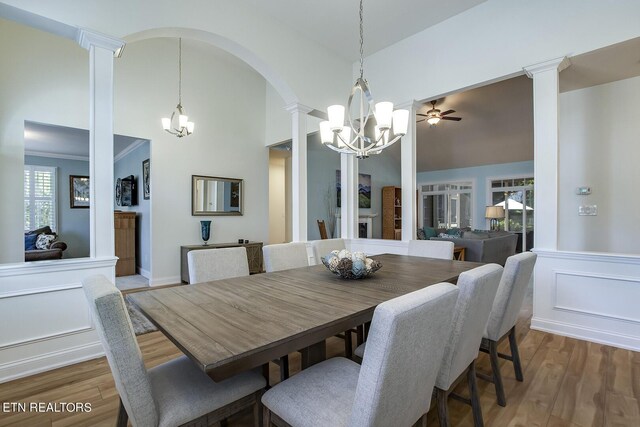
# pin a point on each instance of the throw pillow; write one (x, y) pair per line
(454, 232)
(30, 242)
(446, 236)
(430, 232)
(421, 234)
(44, 241)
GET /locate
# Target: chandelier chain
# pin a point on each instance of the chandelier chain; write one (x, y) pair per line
(361, 42)
(180, 71)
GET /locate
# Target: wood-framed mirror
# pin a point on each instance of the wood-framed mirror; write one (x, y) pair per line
(212, 195)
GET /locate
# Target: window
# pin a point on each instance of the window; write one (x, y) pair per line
(515, 195)
(39, 197)
(447, 205)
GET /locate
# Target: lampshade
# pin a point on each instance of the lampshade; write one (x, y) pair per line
(384, 114)
(182, 120)
(166, 123)
(400, 122)
(494, 212)
(190, 126)
(433, 120)
(326, 135)
(336, 117)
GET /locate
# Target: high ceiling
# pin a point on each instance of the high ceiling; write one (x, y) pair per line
(334, 23)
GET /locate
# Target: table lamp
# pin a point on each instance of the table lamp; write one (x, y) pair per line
(494, 213)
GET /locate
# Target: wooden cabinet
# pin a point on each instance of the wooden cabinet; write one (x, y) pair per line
(125, 242)
(254, 256)
(392, 213)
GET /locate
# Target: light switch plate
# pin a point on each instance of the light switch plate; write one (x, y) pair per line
(588, 210)
(583, 191)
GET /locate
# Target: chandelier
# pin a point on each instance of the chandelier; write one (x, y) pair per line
(185, 127)
(368, 137)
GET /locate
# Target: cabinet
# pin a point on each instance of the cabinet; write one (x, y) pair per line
(254, 256)
(392, 213)
(125, 243)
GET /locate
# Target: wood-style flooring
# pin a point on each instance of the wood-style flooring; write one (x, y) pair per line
(567, 383)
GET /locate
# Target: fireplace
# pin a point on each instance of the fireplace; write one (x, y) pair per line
(365, 226)
(362, 230)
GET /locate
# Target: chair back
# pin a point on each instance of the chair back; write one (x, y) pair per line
(207, 265)
(323, 229)
(123, 354)
(478, 289)
(511, 293)
(440, 249)
(322, 248)
(402, 357)
(285, 256)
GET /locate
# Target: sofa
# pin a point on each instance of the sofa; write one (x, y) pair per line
(54, 251)
(484, 246)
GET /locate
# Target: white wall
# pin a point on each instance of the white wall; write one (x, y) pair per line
(33, 89)
(277, 199)
(599, 148)
(223, 96)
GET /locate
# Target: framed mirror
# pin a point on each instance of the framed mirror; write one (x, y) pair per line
(212, 195)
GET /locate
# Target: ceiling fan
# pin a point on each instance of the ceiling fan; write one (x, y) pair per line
(434, 115)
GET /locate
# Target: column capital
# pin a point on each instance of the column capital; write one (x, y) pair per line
(87, 38)
(558, 64)
(296, 107)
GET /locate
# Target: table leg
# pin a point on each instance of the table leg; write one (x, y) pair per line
(313, 354)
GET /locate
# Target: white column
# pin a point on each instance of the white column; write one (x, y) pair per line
(349, 192)
(299, 170)
(101, 53)
(408, 173)
(545, 128)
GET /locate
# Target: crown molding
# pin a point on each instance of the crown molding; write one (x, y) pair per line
(55, 155)
(558, 64)
(129, 149)
(87, 38)
(296, 107)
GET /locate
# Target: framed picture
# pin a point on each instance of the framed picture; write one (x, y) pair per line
(364, 190)
(128, 191)
(79, 192)
(146, 177)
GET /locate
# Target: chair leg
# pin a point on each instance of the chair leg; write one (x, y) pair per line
(443, 409)
(497, 377)
(475, 398)
(123, 417)
(348, 346)
(284, 367)
(224, 423)
(515, 354)
(257, 413)
(265, 374)
(360, 335)
(266, 417)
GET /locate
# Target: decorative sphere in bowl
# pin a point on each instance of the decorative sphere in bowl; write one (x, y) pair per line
(350, 265)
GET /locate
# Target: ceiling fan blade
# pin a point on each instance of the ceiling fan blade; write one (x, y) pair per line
(447, 112)
(422, 115)
(421, 120)
(456, 119)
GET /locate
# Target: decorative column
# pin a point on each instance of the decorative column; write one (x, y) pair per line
(349, 199)
(408, 173)
(299, 170)
(101, 52)
(545, 128)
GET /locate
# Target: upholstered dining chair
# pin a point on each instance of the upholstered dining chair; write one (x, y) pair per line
(170, 394)
(431, 249)
(322, 248)
(206, 265)
(285, 256)
(504, 314)
(394, 384)
(478, 289)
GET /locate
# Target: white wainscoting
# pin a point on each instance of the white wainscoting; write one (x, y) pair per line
(589, 296)
(45, 318)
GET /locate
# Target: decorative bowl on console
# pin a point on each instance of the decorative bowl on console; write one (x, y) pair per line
(350, 265)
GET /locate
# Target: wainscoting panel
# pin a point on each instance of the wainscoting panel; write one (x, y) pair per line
(588, 296)
(45, 321)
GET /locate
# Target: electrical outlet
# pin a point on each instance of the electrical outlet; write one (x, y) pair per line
(588, 210)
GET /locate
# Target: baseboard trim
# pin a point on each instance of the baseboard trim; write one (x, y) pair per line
(599, 336)
(172, 280)
(48, 361)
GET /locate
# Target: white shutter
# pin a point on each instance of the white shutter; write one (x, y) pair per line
(40, 197)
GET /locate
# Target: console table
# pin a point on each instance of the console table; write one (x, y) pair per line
(254, 256)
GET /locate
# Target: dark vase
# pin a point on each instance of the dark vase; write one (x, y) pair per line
(205, 229)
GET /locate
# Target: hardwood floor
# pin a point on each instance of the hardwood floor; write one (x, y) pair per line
(567, 383)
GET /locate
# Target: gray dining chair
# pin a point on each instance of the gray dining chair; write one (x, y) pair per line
(285, 256)
(322, 248)
(207, 265)
(394, 384)
(478, 289)
(504, 315)
(431, 249)
(170, 394)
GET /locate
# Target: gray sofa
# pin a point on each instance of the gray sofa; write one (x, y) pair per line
(494, 246)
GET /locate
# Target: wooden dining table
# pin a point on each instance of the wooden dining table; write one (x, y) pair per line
(232, 325)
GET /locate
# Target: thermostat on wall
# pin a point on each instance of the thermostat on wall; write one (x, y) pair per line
(583, 191)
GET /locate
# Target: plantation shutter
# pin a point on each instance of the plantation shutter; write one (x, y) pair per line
(39, 197)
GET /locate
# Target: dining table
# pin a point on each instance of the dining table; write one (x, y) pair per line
(229, 326)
